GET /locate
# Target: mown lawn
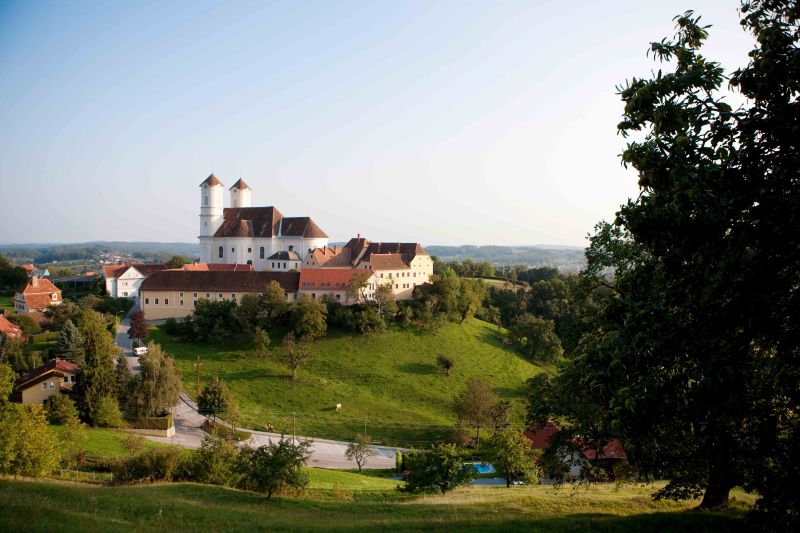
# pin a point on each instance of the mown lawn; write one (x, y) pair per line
(7, 304)
(100, 443)
(337, 504)
(391, 379)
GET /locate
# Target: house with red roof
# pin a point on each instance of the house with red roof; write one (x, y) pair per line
(335, 283)
(541, 438)
(124, 281)
(403, 266)
(37, 294)
(51, 379)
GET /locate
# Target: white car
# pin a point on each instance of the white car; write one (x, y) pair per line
(141, 350)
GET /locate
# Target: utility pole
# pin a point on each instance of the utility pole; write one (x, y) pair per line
(294, 427)
(197, 382)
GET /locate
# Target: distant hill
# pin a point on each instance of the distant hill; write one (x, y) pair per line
(94, 251)
(570, 258)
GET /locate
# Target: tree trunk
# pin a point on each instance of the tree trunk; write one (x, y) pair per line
(508, 478)
(718, 489)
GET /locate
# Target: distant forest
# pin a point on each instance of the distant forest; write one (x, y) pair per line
(94, 251)
(566, 258)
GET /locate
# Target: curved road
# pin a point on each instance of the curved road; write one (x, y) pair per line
(325, 453)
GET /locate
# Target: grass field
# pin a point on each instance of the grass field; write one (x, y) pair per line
(342, 501)
(100, 443)
(391, 379)
(7, 304)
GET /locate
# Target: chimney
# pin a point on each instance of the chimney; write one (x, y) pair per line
(35, 281)
(359, 236)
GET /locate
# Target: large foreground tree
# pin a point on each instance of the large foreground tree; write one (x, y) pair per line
(694, 361)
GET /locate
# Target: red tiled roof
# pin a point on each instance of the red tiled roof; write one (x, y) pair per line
(612, 450)
(218, 281)
(265, 222)
(328, 279)
(28, 268)
(240, 184)
(387, 261)
(39, 296)
(211, 180)
(113, 271)
(540, 436)
(52, 366)
(9, 328)
(216, 267)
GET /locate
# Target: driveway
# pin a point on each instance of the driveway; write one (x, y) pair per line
(324, 453)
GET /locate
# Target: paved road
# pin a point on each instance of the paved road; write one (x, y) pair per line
(325, 453)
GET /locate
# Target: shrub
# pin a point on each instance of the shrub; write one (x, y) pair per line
(106, 414)
(170, 326)
(446, 363)
(155, 464)
(27, 324)
(152, 422)
(61, 410)
(274, 467)
(440, 470)
(225, 432)
(133, 444)
(214, 461)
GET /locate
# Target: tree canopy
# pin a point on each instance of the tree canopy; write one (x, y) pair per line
(694, 361)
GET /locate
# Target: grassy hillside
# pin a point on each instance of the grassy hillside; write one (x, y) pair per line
(7, 304)
(100, 443)
(341, 503)
(391, 379)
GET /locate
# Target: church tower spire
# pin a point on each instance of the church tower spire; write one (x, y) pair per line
(240, 194)
(210, 213)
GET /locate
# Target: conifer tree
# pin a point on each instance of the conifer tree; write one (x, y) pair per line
(97, 379)
(70, 343)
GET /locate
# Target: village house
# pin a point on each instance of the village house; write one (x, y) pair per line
(335, 283)
(541, 437)
(9, 329)
(51, 379)
(174, 293)
(124, 281)
(32, 270)
(401, 265)
(251, 235)
(36, 294)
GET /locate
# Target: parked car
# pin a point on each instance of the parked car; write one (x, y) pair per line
(141, 350)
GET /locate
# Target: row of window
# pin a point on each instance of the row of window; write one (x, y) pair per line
(402, 274)
(208, 295)
(261, 251)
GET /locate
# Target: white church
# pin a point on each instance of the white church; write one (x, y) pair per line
(258, 236)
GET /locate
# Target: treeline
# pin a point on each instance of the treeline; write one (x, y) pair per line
(564, 257)
(53, 253)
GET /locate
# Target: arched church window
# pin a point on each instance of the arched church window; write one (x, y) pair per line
(220, 252)
(205, 200)
(261, 253)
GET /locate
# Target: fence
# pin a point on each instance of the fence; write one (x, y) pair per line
(85, 477)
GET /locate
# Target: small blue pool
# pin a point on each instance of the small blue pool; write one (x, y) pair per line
(482, 468)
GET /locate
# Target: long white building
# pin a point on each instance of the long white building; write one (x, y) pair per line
(250, 235)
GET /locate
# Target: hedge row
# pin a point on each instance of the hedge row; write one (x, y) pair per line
(152, 422)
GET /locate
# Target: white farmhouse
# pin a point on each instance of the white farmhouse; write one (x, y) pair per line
(124, 281)
(250, 235)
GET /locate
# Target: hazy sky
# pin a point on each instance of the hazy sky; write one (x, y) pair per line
(440, 122)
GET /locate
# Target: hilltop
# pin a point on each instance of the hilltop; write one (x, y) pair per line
(390, 378)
